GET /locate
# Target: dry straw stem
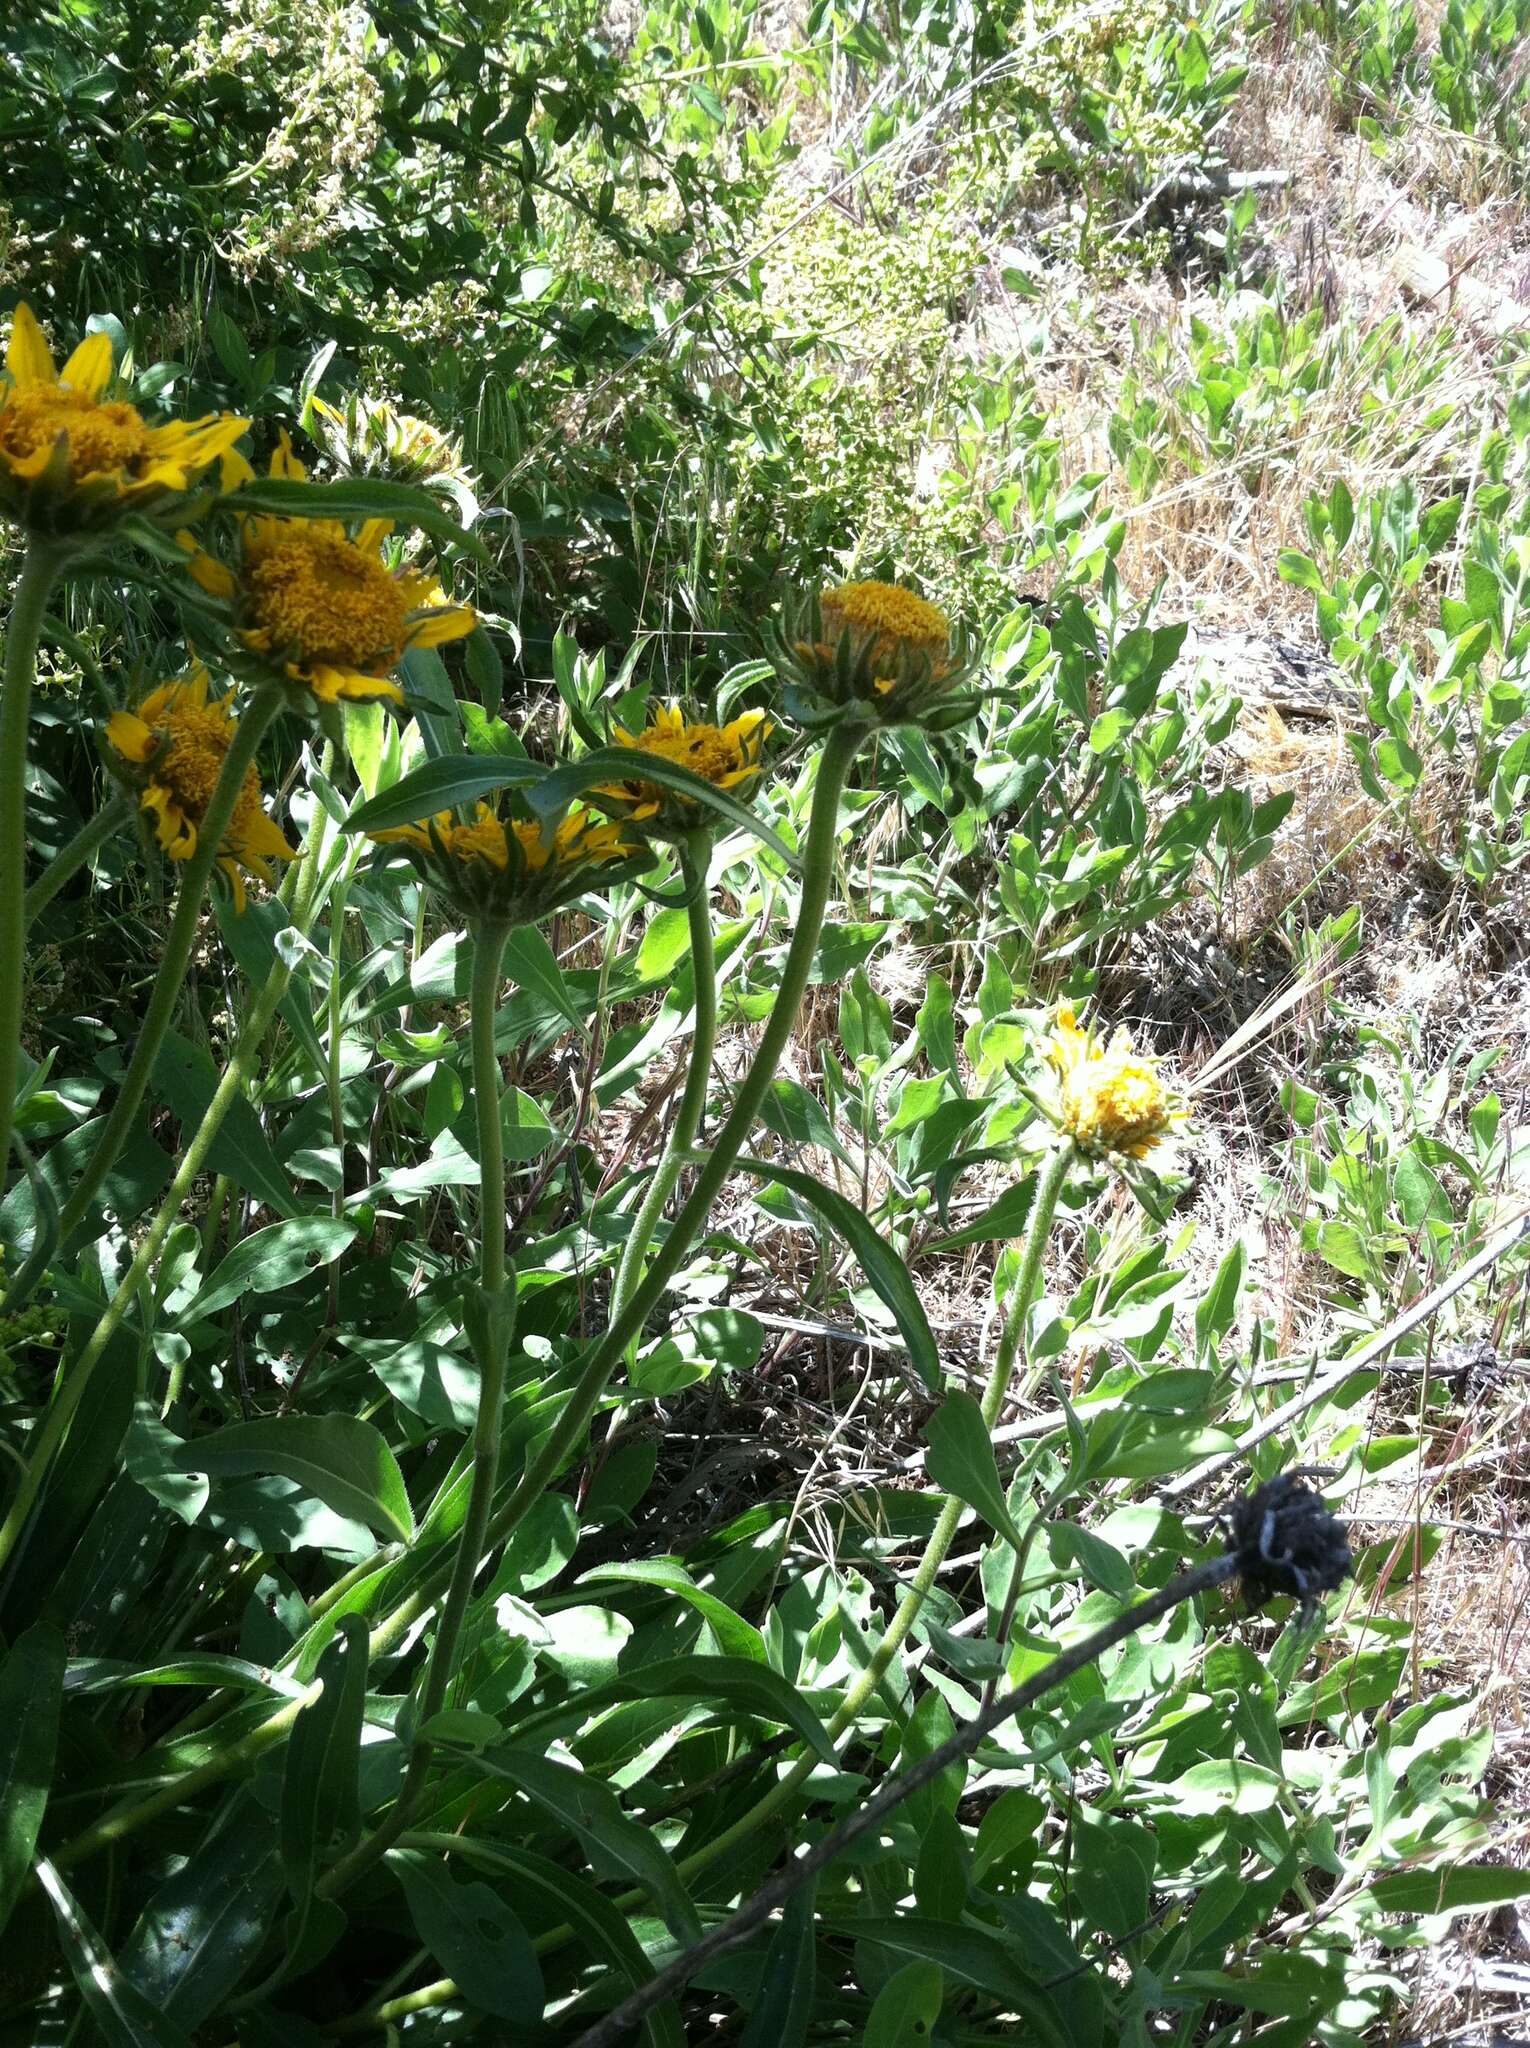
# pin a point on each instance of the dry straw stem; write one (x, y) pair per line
(1364, 1360)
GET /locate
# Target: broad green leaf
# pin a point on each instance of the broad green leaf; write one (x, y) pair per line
(1101, 1563)
(194, 1667)
(339, 1459)
(1453, 1888)
(124, 2018)
(878, 1261)
(1218, 1307)
(205, 1926)
(474, 1936)
(960, 1459)
(907, 2007)
(603, 1930)
(735, 1636)
(31, 1686)
(321, 1809)
(618, 1846)
(973, 1956)
(185, 1078)
(440, 785)
(356, 498)
(532, 965)
(754, 1689)
(551, 797)
(273, 1258)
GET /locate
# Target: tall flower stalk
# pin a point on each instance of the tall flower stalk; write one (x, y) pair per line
(695, 855)
(39, 571)
(241, 1071)
(490, 1317)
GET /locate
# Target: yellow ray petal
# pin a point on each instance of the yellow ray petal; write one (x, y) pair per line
(333, 684)
(28, 358)
(89, 369)
(438, 627)
(128, 734)
(202, 568)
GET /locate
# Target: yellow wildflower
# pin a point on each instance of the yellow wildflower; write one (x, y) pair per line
(886, 622)
(1109, 1097)
(321, 604)
(509, 868)
(727, 756)
(173, 748)
(73, 461)
(872, 654)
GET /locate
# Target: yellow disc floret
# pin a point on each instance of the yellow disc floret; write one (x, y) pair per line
(173, 748)
(320, 595)
(321, 604)
(886, 619)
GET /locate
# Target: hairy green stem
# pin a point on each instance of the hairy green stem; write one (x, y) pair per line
(693, 1099)
(72, 856)
(1053, 1175)
(237, 1076)
(817, 879)
(39, 570)
(491, 1332)
(179, 941)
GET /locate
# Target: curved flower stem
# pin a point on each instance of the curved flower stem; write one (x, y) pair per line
(839, 752)
(490, 1326)
(237, 1076)
(179, 941)
(39, 571)
(1053, 1176)
(694, 857)
(69, 859)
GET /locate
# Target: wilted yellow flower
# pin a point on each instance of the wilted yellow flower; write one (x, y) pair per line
(321, 605)
(172, 748)
(73, 461)
(727, 756)
(1109, 1098)
(508, 868)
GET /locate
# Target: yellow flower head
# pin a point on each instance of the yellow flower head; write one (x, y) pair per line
(172, 748)
(888, 623)
(509, 868)
(727, 756)
(73, 461)
(872, 654)
(1109, 1098)
(321, 605)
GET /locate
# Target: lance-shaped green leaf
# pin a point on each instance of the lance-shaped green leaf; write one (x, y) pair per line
(960, 1459)
(123, 2017)
(339, 1459)
(617, 1845)
(878, 1261)
(551, 797)
(31, 1685)
(441, 785)
(356, 498)
(321, 1805)
(273, 1258)
(474, 1936)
